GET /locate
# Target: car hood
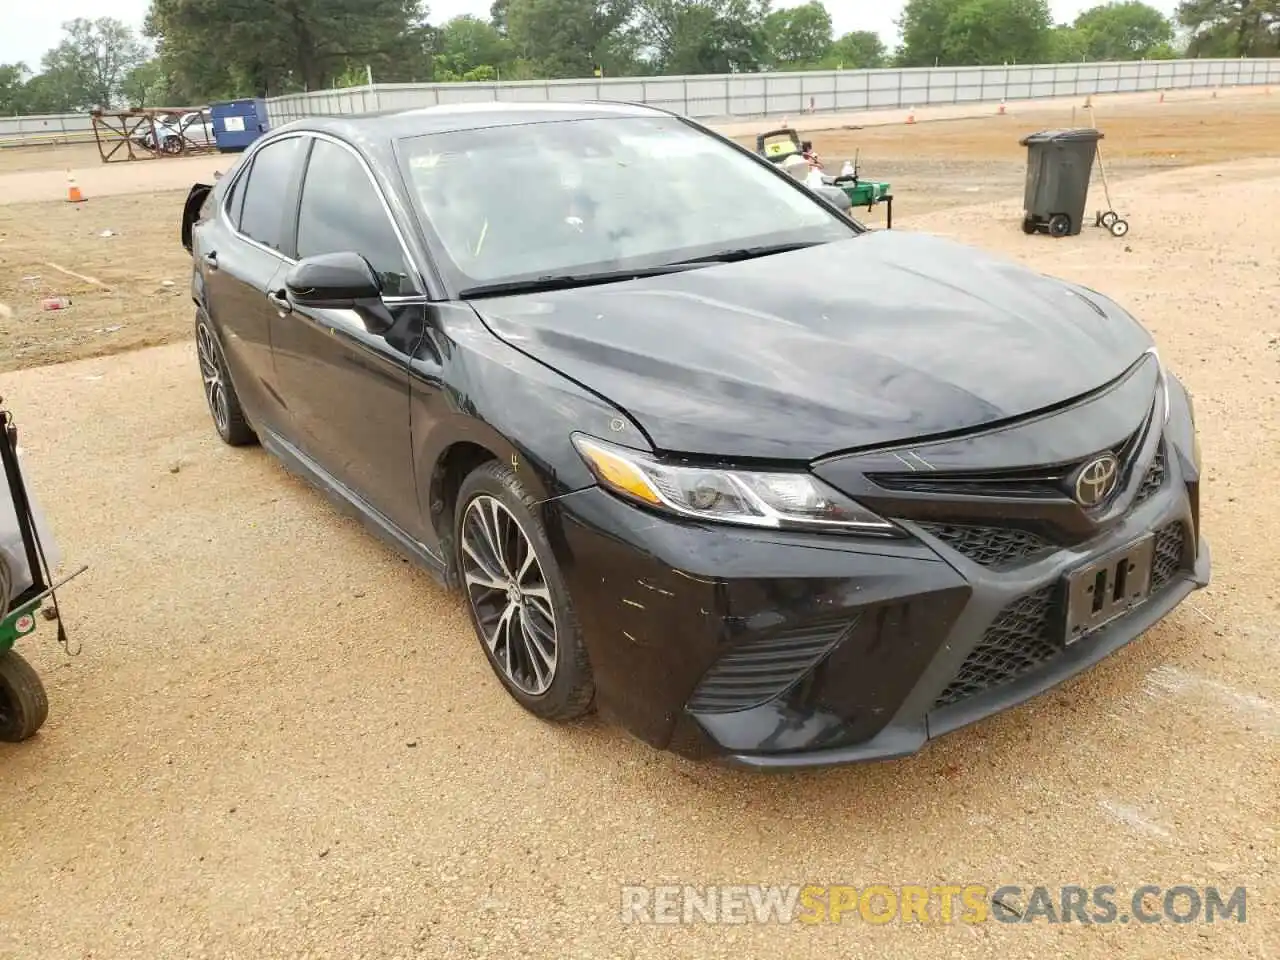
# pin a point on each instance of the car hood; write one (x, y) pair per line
(881, 338)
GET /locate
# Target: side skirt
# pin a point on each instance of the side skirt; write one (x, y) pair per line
(349, 503)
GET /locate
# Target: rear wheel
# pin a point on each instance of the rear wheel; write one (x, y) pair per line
(1059, 225)
(1109, 218)
(1029, 225)
(518, 601)
(24, 707)
(1119, 228)
(224, 406)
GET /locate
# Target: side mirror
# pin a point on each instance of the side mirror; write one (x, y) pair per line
(333, 281)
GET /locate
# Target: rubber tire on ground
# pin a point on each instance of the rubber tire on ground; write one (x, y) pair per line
(1109, 218)
(1029, 226)
(1119, 228)
(24, 707)
(172, 146)
(1059, 225)
(238, 432)
(572, 691)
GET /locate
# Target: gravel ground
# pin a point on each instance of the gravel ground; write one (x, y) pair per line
(281, 741)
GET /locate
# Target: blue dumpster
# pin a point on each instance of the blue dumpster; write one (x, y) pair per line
(237, 123)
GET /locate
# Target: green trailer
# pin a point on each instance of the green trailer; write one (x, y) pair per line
(777, 146)
(26, 582)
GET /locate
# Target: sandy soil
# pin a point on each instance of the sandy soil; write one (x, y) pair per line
(281, 741)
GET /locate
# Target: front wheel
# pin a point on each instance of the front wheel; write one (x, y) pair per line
(1029, 225)
(24, 707)
(1119, 228)
(518, 601)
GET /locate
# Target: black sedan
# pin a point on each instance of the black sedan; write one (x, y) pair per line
(699, 448)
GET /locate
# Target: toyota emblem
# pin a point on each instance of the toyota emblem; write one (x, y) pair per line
(1097, 480)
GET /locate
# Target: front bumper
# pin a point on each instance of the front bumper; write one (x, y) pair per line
(779, 650)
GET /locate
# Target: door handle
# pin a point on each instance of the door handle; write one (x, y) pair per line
(280, 300)
(211, 259)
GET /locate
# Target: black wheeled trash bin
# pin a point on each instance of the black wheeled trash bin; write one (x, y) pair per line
(1059, 165)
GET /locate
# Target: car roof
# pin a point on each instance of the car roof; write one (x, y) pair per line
(449, 118)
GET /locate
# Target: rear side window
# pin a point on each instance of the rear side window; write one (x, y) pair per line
(265, 189)
(341, 211)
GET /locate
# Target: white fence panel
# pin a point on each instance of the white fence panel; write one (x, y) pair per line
(745, 96)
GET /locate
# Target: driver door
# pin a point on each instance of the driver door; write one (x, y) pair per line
(348, 387)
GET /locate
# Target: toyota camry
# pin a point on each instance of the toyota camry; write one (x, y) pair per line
(699, 449)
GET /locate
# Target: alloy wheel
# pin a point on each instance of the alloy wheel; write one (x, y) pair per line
(509, 595)
(215, 391)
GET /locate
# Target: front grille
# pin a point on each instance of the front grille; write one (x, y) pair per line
(1024, 635)
(759, 670)
(1019, 641)
(1153, 480)
(997, 547)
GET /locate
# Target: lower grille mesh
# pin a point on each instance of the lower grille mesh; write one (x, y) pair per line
(1024, 637)
(757, 671)
(1018, 641)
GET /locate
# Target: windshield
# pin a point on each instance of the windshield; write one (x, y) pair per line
(573, 198)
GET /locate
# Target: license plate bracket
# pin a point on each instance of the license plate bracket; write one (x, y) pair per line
(1105, 589)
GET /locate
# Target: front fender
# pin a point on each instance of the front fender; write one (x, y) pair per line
(467, 386)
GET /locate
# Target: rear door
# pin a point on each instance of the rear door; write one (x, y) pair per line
(347, 386)
(240, 258)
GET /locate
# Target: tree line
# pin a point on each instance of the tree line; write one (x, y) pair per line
(194, 51)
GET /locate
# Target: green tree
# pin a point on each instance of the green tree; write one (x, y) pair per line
(465, 44)
(570, 38)
(91, 62)
(147, 85)
(705, 36)
(1067, 45)
(1123, 30)
(860, 50)
(1232, 28)
(799, 37)
(498, 15)
(264, 47)
(13, 88)
(972, 32)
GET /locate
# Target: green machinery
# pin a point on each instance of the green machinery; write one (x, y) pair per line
(777, 146)
(23, 703)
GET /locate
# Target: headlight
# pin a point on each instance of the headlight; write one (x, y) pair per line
(777, 500)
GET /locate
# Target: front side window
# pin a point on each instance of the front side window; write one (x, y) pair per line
(572, 197)
(264, 189)
(341, 211)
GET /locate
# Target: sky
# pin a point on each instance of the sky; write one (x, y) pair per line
(26, 36)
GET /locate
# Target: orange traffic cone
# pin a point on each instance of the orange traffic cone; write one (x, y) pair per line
(73, 192)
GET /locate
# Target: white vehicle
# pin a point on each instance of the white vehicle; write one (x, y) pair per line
(174, 133)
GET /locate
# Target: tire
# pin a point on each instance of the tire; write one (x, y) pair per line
(1109, 218)
(24, 707)
(1059, 225)
(219, 393)
(1119, 228)
(492, 497)
(172, 146)
(1029, 226)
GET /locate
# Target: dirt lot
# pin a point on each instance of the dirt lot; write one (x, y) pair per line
(281, 741)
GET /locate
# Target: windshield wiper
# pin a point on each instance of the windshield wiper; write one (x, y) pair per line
(750, 253)
(568, 281)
